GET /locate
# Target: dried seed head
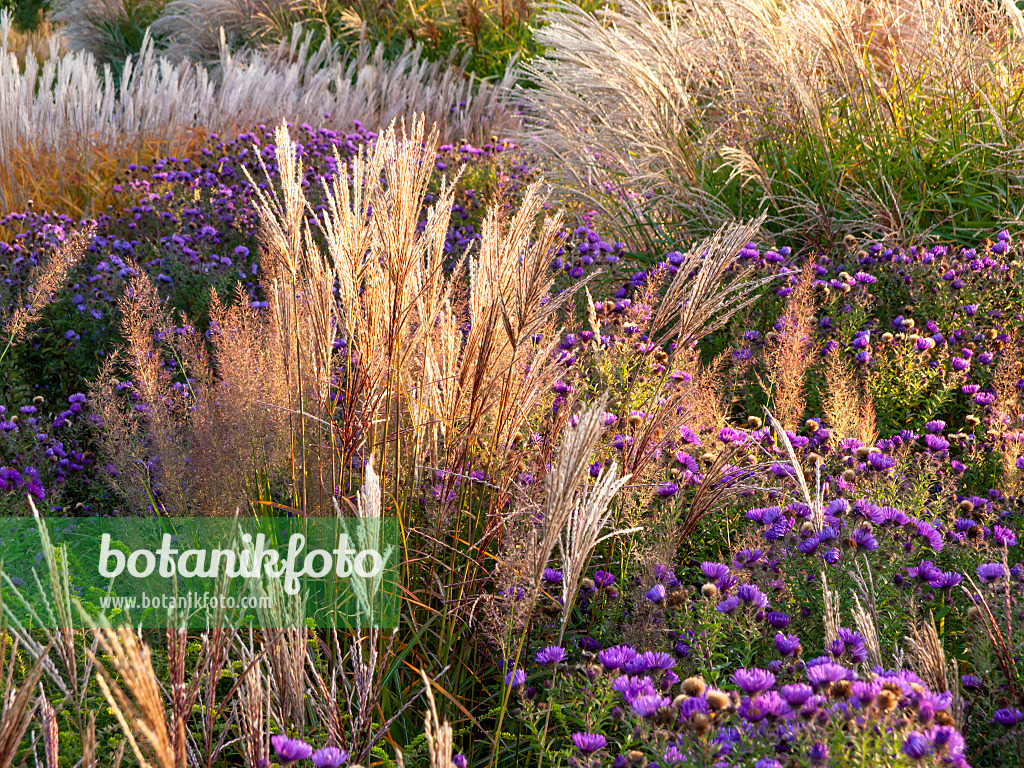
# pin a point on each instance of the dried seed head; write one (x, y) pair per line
(841, 689)
(966, 505)
(887, 337)
(665, 716)
(849, 475)
(717, 700)
(694, 686)
(701, 723)
(887, 701)
(811, 425)
(862, 452)
(754, 422)
(710, 591)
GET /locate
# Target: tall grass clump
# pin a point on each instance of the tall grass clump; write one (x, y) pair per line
(889, 120)
(67, 128)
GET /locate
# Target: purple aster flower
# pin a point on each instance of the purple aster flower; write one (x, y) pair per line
(589, 742)
(777, 619)
(916, 746)
(826, 673)
(818, 753)
(931, 536)
(767, 762)
(553, 654)
(656, 593)
(971, 682)
(796, 694)
(459, 760)
(329, 757)
(648, 704)
(753, 680)
(1004, 537)
(989, 572)
(551, 576)
(616, 656)
(881, 462)
(749, 593)
(787, 645)
(714, 571)
(603, 578)
(728, 435)
(290, 750)
(728, 605)
(667, 489)
(648, 661)
(865, 540)
(1007, 717)
(947, 580)
(515, 678)
(689, 436)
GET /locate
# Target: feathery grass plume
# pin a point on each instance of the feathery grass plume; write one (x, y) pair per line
(16, 702)
(281, 617)
(817, 518)
(684, 111)
(253, 706)
(866, 617)
(589, 517)
(701, 299)
(210, 439)
(111, 30)
(370, 511)
(133, 692)
(929, 655)
(789, 356)
(844, 399)
(195, 30)
(866, 626)
(438, 734)
(51, 743)
(46, 281)
(67, 129)
(830, 613)
(561, 483)
(89, 742)
(1009, 370)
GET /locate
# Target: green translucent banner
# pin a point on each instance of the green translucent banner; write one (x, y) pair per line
(271, 572)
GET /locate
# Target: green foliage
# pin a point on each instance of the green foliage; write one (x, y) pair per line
(27, 14)
(907, 391)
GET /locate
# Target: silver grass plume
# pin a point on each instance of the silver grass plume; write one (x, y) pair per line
(563, 480)
(590, 515)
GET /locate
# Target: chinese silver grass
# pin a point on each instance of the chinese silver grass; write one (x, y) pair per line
(866, 626)
(562, 482)
(438, 734)
(131, 688)
(253, 706)
(928, 654)
(583, 532)
(866, 618)
(282, 618)
(67, 101)
(16, 701)
(695, 305)
(369, 512)
(830, 614)
(51, 742)
(814, 503)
